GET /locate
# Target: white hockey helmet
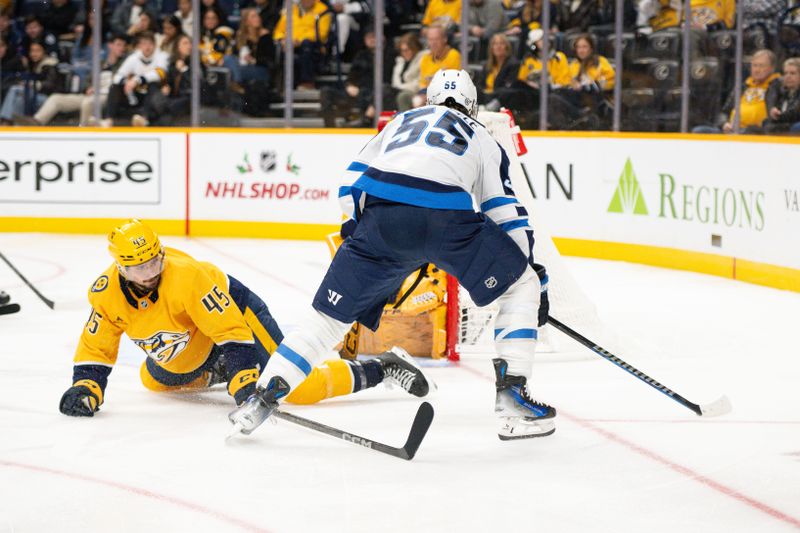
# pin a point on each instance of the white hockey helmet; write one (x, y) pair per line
(455, 84)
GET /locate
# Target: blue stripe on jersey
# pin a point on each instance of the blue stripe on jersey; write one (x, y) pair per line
(344, 191)
(514, 224)
(413, 191)
(516, 334)
(395, 178)
(358, 166)
(504, 176)
(295, 358)
(497, 202)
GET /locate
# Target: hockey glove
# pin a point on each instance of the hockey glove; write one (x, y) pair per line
(82, 399)
(243, 385)
(544, 301)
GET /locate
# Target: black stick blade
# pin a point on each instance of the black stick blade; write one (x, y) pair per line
(9, 308)
(419, 428)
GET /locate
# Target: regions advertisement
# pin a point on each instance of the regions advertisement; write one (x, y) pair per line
(719, 197)
(92, 174)
(269, 177)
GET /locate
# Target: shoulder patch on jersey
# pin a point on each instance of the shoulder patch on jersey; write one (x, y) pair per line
(101, 284)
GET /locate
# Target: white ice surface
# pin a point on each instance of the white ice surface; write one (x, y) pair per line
(624, 458)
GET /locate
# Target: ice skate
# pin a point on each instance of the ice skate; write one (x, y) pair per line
(400, 369)
(521, 417)
(258, 407)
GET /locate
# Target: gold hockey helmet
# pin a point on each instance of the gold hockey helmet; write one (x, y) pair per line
(136, 249)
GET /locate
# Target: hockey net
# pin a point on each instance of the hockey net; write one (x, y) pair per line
(470, 329)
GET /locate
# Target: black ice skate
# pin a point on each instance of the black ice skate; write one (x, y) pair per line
(258, 407)
(400, 369)
(521, 417)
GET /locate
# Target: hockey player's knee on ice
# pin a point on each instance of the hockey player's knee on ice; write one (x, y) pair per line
(159, 380)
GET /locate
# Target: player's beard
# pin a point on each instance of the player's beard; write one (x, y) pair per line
(146, 287)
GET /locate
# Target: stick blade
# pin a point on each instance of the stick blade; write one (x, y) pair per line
(9, 309)
(718, 407)
(419, 428)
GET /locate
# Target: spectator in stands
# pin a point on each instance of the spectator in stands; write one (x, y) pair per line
(486, 17)
(106, 14)
(531, 68)
(34, 31)
(215, 39)
(442, 13)
(174, 99)
(358, 92)
(269, 11)
(82, 102)
(310, 33)
(185, 15)
(440, 55)
(172, 30)
(10, 66)
(706, 14)
(147, 22)
(350, 14)
(589, 71)
(206, 5)
(759, 94)
(126, 15)
(253, 50)
(784, 115)
(8, 32)
(40, 78)
(499, 73)
(406, 72)
(59, 17)
(530, 18)
(81, 55)
(139, 77)
(578, 15)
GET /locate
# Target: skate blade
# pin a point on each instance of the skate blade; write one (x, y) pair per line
(235, 432)
(526, 430)
(529, 436)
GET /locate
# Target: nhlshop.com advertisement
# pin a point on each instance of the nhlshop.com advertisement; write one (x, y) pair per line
(269, 177)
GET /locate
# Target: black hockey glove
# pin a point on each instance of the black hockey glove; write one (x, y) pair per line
(544, 301)
(82, 399)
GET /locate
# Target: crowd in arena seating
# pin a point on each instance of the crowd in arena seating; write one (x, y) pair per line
(145, 75)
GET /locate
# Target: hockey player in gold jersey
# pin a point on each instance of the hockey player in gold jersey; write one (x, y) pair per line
(198, 327)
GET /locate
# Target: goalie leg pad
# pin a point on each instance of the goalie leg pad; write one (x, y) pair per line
(516, 329)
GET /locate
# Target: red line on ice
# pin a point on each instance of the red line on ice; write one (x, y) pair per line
(688, 472)
(139, 492)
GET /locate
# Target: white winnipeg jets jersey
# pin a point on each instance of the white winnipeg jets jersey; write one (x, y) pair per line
(438, 158)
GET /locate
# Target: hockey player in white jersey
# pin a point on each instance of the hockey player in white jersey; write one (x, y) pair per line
(434, 187)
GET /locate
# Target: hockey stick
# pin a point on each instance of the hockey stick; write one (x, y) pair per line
(47, 302)
(9, 309)
(718, 407)
(422, 421)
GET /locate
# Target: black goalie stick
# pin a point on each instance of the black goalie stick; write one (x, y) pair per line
(48, 303)
(718, 407)
(422, 421)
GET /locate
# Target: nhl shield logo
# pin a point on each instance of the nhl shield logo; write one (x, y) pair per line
(490, 282)
(269, 160)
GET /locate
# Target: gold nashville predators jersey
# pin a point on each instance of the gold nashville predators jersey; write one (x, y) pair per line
(176, 325)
